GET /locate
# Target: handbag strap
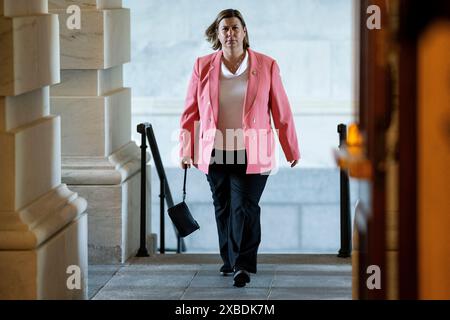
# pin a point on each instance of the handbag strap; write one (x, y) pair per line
(184, 184)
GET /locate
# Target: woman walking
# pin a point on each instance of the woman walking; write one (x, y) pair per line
(226, 133)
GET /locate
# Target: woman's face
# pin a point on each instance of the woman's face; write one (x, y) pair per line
(231, 33)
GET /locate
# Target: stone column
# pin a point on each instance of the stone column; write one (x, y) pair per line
(43, 227)
(99, 160)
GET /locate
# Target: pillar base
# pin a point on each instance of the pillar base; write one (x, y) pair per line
(34, 261)
(111, 187)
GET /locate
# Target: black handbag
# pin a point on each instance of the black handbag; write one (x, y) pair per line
(181, 216)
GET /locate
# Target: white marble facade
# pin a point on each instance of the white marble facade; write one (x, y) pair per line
(85, 4)
(101, 43)
(99, 160)
(43, 225)
(29, 46)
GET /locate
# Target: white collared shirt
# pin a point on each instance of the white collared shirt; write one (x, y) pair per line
(242, 68)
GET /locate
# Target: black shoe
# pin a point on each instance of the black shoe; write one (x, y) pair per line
(241, 278)
(226, 271)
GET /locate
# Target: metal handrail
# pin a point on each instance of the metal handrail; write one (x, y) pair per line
(345, 250)
(146, 131)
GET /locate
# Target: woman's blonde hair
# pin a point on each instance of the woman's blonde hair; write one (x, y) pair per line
(212, 32)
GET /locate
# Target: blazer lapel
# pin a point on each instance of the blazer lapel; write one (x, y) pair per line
(252, 84)
(214, 77)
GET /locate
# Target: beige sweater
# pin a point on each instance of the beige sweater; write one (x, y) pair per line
(231, 104)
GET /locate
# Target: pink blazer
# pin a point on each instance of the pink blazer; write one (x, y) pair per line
(265, 95)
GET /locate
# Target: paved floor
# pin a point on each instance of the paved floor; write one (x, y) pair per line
(196, 277)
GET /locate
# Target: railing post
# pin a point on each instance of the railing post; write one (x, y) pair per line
(180, 245)
(167, 194)
(162, 246)
(142, 252)
(345, 250)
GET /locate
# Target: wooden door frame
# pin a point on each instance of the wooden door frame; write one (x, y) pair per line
(407, 224)
(373, 107)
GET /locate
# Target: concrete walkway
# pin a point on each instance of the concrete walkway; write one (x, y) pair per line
(196, 277)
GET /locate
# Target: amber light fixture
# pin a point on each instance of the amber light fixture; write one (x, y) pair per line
(351, 156)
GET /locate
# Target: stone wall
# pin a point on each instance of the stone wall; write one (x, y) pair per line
(43, 227)
(99, 160)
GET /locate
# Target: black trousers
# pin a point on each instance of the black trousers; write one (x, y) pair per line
(236, 198)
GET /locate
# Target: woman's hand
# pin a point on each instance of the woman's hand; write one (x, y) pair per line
(293, 163)
(185, 162)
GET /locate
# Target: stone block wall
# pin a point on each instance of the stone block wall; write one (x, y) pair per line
(99, 160)
(43, 224)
